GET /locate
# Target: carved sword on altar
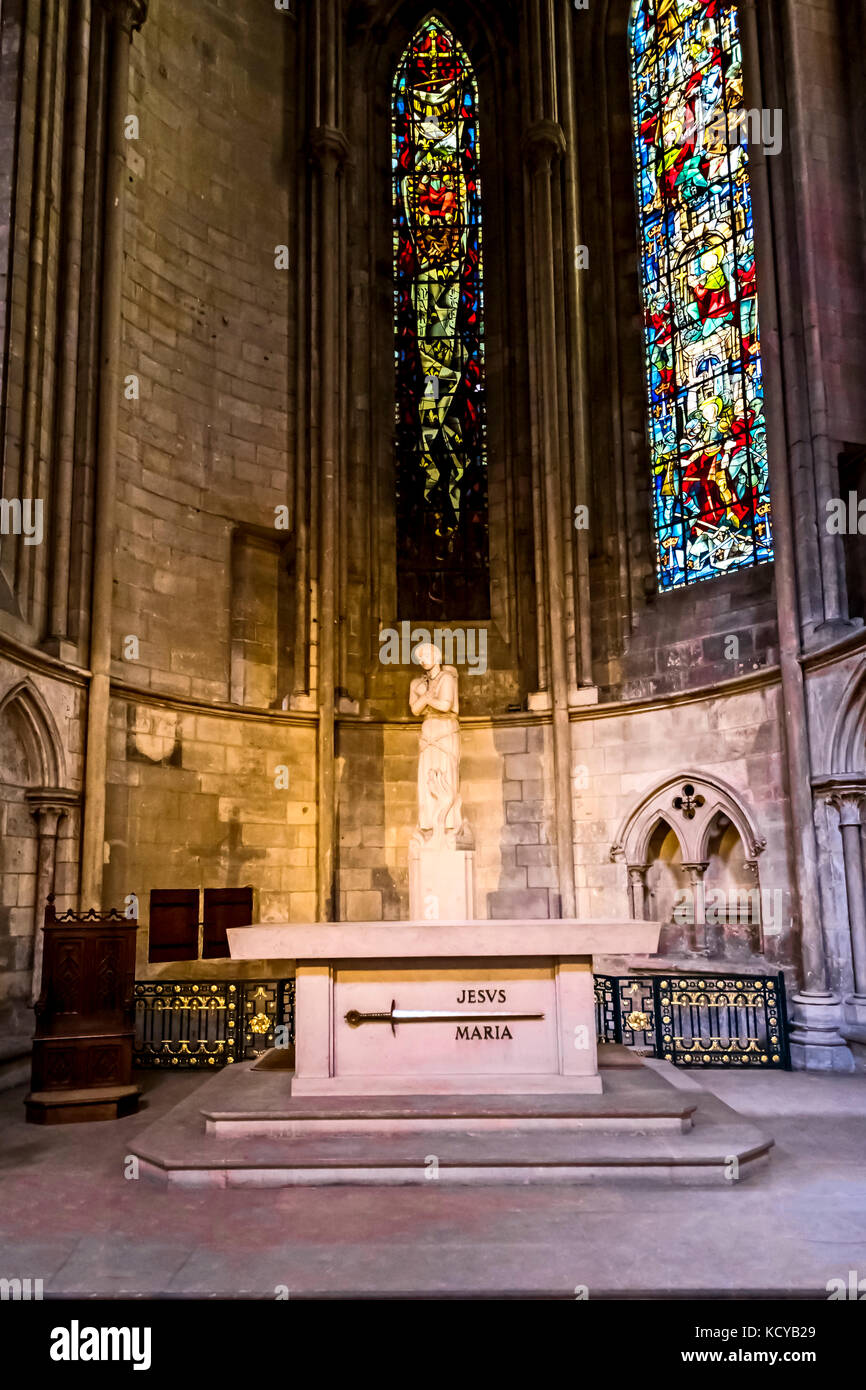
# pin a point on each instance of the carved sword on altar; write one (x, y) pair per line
(354, 1018)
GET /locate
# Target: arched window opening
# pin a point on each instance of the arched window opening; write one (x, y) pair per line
(665, 881)
(732, 897)
(706, 422)
(442, 543)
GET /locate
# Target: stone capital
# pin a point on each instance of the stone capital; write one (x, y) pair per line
(49, 804)
(129, 15)
(696, 870)
(849, 804)
(846, 795)
(329, 148)
(543, 143)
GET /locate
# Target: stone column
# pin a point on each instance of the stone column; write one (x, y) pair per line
(49, 21)
(809, 215)
(817, 1013)
(756, 925)
(849, 804)
(543, 146)
(699, 916)
(637, 890)
(123, 18)
(578, 392)
(329, 151)
(48, 805)
(67, 389)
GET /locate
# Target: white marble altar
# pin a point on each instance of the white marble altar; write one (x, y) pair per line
(498, 1007)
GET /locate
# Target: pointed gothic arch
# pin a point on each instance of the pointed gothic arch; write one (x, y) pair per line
(709, 796)
(848, 737)
(23, 708)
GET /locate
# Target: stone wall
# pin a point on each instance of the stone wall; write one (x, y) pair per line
(825, 96)
(10, 48)
(628, 752)
(507, 792)
(206, 330)
(201, 799)
(619, 754)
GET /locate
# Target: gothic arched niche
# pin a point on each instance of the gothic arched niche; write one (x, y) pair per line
(687, 838)
(664, 876)
(731, 894)
(30, 752)
(18, 754)
(848, 738)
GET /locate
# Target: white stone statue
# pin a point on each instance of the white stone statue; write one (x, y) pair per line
(434, 695)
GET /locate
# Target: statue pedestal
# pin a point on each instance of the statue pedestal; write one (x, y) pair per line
(441, 883)
(445, 1008)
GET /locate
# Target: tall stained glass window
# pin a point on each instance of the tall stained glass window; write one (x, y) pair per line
(442, 556)
(703, 361)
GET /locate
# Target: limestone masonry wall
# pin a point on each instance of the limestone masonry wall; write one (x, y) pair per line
(206, 312)
(201, 800)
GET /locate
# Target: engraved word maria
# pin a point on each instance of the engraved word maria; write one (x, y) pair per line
(485, 1032)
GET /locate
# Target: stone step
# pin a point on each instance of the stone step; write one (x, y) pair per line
(247, 1101)
(465, 1139)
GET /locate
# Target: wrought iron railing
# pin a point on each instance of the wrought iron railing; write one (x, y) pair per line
(697, 1020)
(208, 1023)
(691, 1020)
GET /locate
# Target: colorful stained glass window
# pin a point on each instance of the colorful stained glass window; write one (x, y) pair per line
(442, 555)
(706, 412)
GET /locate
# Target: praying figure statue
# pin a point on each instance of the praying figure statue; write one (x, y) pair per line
(434, 696)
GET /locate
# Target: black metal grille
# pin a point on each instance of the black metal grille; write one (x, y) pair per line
(690, 1020)
(208, 1023)
(697, 1020)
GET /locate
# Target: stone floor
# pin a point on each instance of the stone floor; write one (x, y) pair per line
(70, 1217)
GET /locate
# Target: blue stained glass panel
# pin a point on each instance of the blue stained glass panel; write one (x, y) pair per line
(703, 365)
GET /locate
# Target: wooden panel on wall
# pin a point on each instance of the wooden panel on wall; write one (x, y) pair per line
(224, 908)
(173, 933)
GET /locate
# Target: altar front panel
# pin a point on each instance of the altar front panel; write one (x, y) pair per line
(483, 1046)
(487, 1039)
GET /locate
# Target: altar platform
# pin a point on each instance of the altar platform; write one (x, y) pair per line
(246, 1128)
(448, 1051)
